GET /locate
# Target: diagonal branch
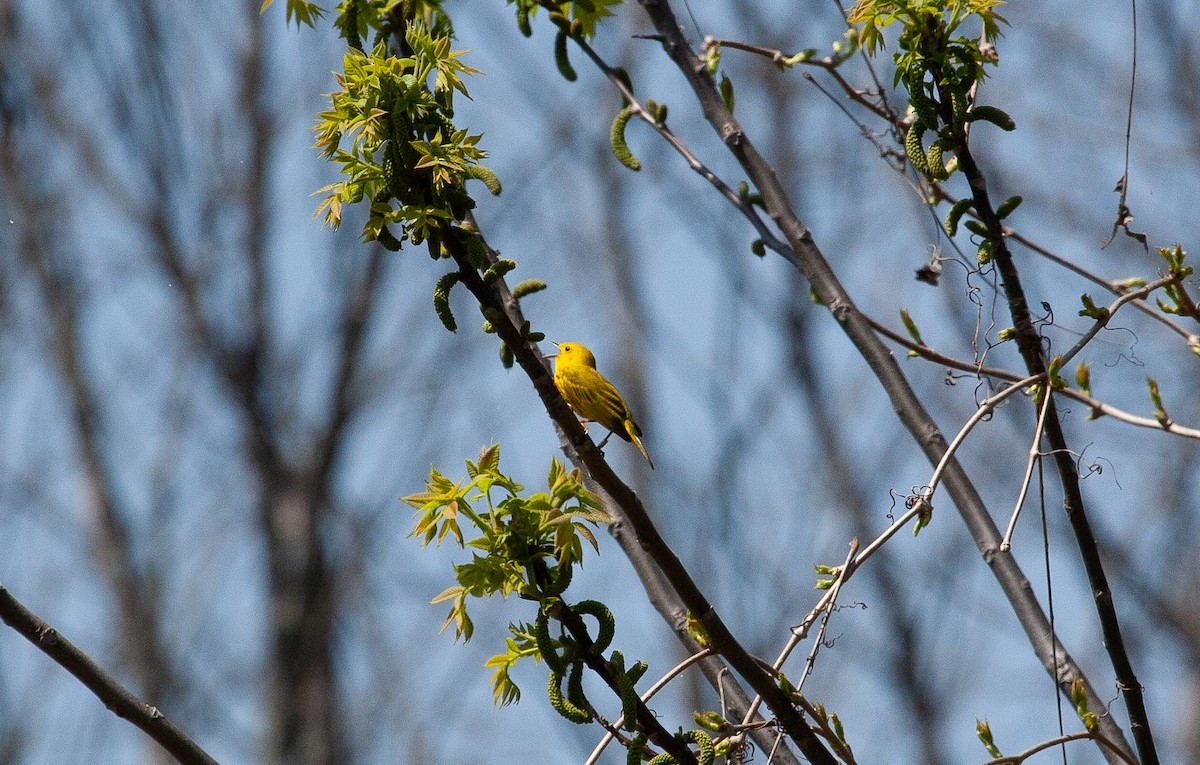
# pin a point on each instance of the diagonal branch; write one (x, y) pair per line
(580, 446)
(807, 258)
(1029, 345)
(114, 695)
(644, 558)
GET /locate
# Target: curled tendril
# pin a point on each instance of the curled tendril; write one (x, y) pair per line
(561, 578)
(608, 625)
(546, 644)
(563, 705)
(626, 681)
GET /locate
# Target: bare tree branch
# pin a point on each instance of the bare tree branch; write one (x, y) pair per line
(115, 696)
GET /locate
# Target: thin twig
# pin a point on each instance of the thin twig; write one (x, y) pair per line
(829, 63)
(1100, 407)
(819, 640)
(1029, 345)
(805, 256)
(1050, 743)
(924, 503)
(1034, 453)
(1102, 322)
(744, 206)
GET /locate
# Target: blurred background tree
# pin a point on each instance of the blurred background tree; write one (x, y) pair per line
(210, 405)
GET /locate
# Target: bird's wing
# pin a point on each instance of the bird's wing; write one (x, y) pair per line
(597, 400)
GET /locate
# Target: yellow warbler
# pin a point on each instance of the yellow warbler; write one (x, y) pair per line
(592, 397)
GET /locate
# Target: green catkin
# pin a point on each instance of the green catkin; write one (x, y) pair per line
(528, 287)
(997, 117)
(545, 644)
(560, 580)
(523, 20)
(707, 752)
(441, 300)
(498, 270)
(561, 59)
(488, 176)
(608, 624)
(637, 748)
(562, 705)
(1007, 207)
(912, 146)
(620, 147)
(957, 210)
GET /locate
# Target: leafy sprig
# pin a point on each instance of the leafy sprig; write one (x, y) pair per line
(922, 18)
(939, 66)
(302, 11)
(527, 545)
(390, 130)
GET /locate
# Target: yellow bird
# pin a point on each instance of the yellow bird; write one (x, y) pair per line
(592, 397)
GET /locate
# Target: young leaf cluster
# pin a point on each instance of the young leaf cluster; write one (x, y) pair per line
(525, 545)
(390, 130)
(302, 11)
(1181, 303)
(938, 66)
(922, 17)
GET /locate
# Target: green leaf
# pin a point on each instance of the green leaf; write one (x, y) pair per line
(1091, 310)
(489, 459)
(911, 327)
(1160, 412)
(303, 12)
(727, 92)
(984, 731)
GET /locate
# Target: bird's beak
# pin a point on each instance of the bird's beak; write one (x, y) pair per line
(552, 355)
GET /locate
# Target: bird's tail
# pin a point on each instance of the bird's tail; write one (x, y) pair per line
(632, 429)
